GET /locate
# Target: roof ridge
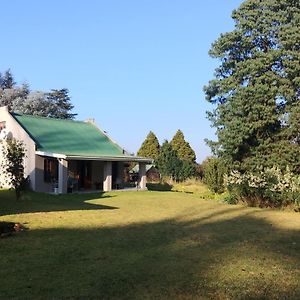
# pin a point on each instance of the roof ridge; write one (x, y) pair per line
(48, 118)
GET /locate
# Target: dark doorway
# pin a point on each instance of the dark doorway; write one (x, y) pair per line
(85, 174)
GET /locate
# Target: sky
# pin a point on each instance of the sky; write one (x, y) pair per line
(133, 66)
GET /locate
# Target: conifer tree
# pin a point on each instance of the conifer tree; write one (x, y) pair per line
(150, 147)
(182, 147)
(7, 80)
(168, 163)
(61, 104)
(256, 87)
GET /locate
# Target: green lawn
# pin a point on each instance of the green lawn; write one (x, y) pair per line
(147, 245)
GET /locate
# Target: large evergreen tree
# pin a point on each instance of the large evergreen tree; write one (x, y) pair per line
(257, 86)
(150, 147)
(183, 148)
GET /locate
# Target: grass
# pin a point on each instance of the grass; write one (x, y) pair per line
(147, 245)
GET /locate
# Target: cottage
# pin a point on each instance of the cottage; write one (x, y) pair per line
(67, 155)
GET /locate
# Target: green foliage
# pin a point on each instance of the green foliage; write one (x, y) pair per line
(214, 171)
(150, 147)
(182, 147)
(13, 165)
(266, 187)
(188, 170)
(61, 104)
(168, 163)
(256, 87)
(231, 198)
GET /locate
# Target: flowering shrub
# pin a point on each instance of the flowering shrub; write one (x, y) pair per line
(268, 187)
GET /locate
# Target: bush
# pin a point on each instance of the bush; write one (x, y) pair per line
(269, 187)
(214, 171)
(231, 199)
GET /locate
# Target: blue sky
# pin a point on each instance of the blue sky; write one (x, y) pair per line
(134, 66)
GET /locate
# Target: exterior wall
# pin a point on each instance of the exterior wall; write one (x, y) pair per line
(40, 184)
(16, 131)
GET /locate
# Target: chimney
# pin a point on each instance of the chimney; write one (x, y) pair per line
(90, 120)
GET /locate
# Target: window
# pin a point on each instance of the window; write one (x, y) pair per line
(50, 170)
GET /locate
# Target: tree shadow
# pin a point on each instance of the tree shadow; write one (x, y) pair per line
(31, 202)
(242, 257)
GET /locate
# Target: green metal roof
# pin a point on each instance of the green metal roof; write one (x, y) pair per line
(68, 137)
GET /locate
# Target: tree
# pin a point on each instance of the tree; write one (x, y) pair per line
(7, 80)
(13, 165)
(55, 104)
(183, 148)
(214, 171)
(150, 147)
(11, 96)
(168, 163)
(60, 104)
(256, 88)
(35, 103)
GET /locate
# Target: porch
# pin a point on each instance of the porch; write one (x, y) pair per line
(70, 175)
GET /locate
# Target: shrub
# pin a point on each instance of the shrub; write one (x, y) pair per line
(13, 165)
(214, 171)
(267, 187)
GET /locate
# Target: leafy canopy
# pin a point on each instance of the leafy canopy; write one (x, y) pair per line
(256, 88)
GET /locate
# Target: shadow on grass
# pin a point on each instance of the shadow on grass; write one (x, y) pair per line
(31, 202)
(237, 258)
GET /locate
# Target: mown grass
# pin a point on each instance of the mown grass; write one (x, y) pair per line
(147, 245)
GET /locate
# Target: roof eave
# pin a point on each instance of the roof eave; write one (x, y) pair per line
(98, 158)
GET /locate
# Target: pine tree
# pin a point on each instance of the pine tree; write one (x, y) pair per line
(60, 103)
(183, 148)
(256, 89)
(150, 147)
(7, 80)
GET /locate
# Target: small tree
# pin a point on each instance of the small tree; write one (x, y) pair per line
(13, 165)
(214, 171)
